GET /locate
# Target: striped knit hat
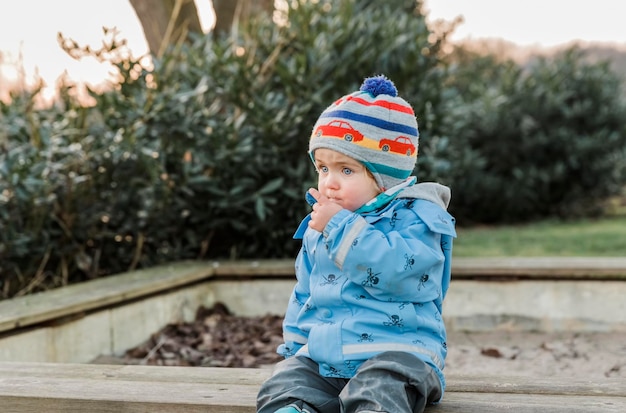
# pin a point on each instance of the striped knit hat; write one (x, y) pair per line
(374, 126)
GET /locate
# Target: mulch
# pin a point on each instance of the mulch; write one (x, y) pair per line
(216, 338)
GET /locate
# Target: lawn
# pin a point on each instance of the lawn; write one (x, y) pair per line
(604, 237)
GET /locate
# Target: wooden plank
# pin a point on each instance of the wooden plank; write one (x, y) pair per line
(90, 295)
(82, 387)
(33, 387)
(48, 394)
(536, 385)
(112, 290)
(603, 268)
(526, 403)
(138, 373)
(29, 387)
(69, 405)
(244, 376)
(231, 402)
(255, 268)
(589, 268)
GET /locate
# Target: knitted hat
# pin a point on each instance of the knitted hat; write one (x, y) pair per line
(374, 126)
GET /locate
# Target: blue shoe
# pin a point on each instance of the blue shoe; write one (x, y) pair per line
(288, 409)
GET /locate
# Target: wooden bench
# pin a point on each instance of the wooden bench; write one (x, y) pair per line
(61, 388)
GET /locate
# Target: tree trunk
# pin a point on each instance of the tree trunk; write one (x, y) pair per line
(166, 22)
(232, 12)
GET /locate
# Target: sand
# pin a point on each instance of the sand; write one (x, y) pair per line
(581, 355)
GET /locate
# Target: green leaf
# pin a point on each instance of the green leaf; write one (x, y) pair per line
(259, 207)
(271, 186)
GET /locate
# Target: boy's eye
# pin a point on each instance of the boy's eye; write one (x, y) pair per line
(323, 168)
(347, 171)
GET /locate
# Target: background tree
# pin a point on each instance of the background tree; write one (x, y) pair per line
(169, 21)
(231, 12)
(166, 22)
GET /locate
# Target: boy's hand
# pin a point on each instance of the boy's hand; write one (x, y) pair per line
(323, 210)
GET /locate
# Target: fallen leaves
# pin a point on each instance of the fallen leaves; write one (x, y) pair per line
(216, 338)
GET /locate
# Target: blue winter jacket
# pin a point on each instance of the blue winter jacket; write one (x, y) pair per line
(373, 283)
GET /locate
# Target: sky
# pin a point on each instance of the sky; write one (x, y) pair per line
(28, 29)
(536, 22)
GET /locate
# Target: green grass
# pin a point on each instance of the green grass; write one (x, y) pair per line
(604, 237)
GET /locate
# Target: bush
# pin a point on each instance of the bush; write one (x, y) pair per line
(203, 156)
(530, 143)
(42, 179)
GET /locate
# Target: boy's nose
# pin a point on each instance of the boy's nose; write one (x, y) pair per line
(332, 181)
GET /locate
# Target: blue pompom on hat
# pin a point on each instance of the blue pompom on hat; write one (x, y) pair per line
(374, 126)
(379, 85)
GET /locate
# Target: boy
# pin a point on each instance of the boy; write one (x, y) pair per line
(363, 328)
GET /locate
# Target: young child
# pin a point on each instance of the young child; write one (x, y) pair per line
(363, 328)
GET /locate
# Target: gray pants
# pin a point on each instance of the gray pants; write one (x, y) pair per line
(391, 382)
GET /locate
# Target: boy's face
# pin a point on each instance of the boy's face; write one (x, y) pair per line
(344, 180)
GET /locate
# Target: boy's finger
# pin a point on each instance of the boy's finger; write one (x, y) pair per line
(315, 193)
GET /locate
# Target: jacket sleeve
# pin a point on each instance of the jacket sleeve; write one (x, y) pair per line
(294, 338)
(406, 263)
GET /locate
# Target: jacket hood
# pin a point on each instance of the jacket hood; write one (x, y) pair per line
(430, 191)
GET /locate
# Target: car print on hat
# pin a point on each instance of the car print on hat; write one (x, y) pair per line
(339, 129)
(401, 144)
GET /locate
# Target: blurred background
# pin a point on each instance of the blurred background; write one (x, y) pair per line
(135, 132)
(29, 48)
